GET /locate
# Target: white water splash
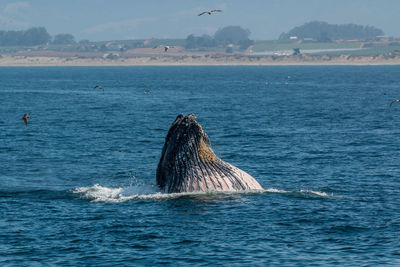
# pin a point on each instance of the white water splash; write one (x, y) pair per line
(318, 193)
(305, 192)
(98, 193)
(273, 190)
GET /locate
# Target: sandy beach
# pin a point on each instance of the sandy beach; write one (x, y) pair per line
(179, 59)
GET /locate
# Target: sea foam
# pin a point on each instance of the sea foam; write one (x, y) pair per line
(98, 193)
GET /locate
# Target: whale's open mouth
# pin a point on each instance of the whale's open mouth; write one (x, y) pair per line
(188, 163)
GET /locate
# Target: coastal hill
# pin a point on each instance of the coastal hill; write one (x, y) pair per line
(325, 32)
(311, 43)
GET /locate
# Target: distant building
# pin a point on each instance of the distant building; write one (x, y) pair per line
(147, 42)
(308, 40)
(111, 56)
(114, 46)
(382, 38)
(293, 38)
(229, 48)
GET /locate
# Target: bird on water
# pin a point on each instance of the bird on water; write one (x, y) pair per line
(99, 87)
(25, 118)
(209, 12)
(397, 100)
(120, 150)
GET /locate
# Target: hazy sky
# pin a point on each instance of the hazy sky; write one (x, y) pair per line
(133, 19)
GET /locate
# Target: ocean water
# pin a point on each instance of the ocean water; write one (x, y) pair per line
(321, 140)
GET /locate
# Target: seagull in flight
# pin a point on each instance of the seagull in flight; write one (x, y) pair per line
(209, 12)
(25, 118)
(166, 47)
(398, 100)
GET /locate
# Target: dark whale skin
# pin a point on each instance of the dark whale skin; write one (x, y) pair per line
(188, 163)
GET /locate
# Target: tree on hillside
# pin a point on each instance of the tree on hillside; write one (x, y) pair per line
(10, 38)
(64, 38)
(244, 44)
(199, 41)
(323, 37)
(30, 37)
(232, 34)
(84, 41)
(323, 31)
(35, 36)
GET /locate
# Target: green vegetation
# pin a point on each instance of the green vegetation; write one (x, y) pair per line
(373, 51)
(324, 32)
(170, 42)
(202, 42)
(116, 45)
(30, 37)
(66, 43)
(9, 49)
(64, 39)
(227, 36)
(228, 39)
(231, 34)
(277, 45)
(141, 43)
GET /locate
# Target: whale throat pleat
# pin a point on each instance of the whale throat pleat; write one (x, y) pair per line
(188, 163)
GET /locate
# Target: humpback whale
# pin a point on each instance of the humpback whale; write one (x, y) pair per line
(188, 163)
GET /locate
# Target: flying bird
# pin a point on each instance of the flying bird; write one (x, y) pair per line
(209, 12)
(166, 47)
(25, 118)
(398, 100)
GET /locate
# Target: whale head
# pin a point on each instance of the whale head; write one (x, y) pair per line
(189, 164)
(186, 144)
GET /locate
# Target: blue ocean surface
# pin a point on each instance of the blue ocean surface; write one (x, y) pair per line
(321, 140)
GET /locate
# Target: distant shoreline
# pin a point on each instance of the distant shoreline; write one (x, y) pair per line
(202, 60)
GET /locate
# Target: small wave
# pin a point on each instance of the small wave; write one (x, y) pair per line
(98, 193)
(302, 192)
(273, 190)
(318, 193)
